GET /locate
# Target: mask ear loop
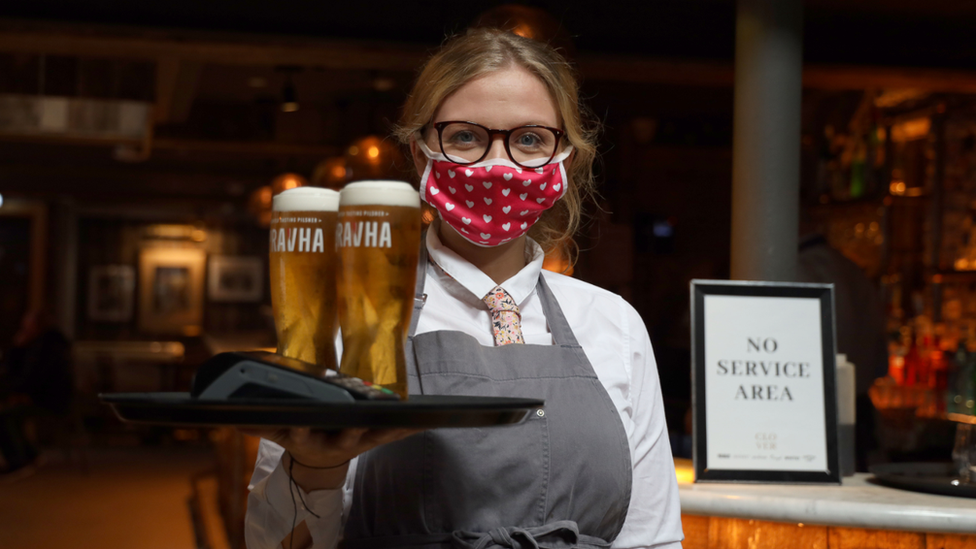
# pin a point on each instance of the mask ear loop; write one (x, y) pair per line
(431, 156)
(423, 180)
(562, 173)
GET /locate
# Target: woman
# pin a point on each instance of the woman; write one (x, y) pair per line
(496, 135)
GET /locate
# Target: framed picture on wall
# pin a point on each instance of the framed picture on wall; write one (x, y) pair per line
(235, 278)
(171, 290)
(111, 293)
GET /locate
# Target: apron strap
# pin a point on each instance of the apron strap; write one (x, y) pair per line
(562, 334)
(563, 534)
(556, 535)
(419, 298)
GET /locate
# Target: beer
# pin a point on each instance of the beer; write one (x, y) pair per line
(303, 275)
(378, 239)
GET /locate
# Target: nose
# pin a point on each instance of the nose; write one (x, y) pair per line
(497, 148)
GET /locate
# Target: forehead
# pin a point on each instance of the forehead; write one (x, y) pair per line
(502, 99)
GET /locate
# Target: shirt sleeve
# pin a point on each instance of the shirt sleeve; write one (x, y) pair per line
(654, 516)
(271, 511)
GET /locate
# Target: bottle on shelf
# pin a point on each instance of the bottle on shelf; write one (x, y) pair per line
(961, 379)
(913, 360)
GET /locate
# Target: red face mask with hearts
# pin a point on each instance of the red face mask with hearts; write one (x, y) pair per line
(491, 202)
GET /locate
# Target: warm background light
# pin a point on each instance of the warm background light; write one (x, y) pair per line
(373, 157)
(331, 173)
(558, 259)
(259, 205)
(287, 181)
(530, 22)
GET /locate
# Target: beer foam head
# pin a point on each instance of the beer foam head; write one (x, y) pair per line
(379, 193)
(306, 199)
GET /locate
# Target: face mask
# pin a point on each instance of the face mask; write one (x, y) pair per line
(491, 202)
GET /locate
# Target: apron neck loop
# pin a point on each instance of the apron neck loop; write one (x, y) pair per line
(562, 334)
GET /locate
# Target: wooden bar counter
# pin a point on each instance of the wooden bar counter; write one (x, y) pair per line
(855, 515)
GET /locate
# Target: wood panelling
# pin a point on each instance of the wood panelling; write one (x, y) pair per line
(949, 541)
(843, 538)
(731, 533)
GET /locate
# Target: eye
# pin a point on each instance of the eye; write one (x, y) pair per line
(528, 140)
(463, 137)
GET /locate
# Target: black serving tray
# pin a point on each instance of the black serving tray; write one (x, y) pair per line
(420, 411)
(933, 478)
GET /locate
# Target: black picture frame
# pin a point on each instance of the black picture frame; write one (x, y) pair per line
(825, 294)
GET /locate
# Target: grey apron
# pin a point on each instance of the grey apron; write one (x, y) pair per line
(560, 479)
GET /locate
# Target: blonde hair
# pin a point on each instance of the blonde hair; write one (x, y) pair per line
(484, 50)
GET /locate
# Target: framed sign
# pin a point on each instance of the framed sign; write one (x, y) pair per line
(764, 382)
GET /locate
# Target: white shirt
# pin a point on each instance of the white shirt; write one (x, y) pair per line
(615, 341)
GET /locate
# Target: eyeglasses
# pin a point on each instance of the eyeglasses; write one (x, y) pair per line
(527, 146)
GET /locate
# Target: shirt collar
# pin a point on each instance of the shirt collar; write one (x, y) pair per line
(520, 286)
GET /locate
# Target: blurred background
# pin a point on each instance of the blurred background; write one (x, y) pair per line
(141, 143)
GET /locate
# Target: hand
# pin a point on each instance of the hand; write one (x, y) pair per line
(330, 450)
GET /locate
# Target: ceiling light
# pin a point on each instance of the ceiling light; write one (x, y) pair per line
(289, 99)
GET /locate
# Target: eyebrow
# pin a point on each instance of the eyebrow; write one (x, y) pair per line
(533, 123)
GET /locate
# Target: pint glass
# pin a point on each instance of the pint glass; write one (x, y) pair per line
(303, 275)
(378, 238)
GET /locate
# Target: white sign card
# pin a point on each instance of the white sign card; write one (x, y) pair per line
(763, 382)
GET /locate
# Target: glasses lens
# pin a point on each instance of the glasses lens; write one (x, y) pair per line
(532, 146)
(464, 143)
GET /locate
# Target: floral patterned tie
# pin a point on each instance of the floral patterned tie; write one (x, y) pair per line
(506, 320)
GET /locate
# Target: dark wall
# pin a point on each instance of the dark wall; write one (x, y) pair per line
(118, 241)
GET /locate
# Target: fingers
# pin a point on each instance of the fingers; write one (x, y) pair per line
(349, 440)
(377, 437)
(262, 432)
(317, 446)
(300, 436)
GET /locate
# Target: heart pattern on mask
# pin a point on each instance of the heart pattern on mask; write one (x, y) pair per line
(483, 205)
